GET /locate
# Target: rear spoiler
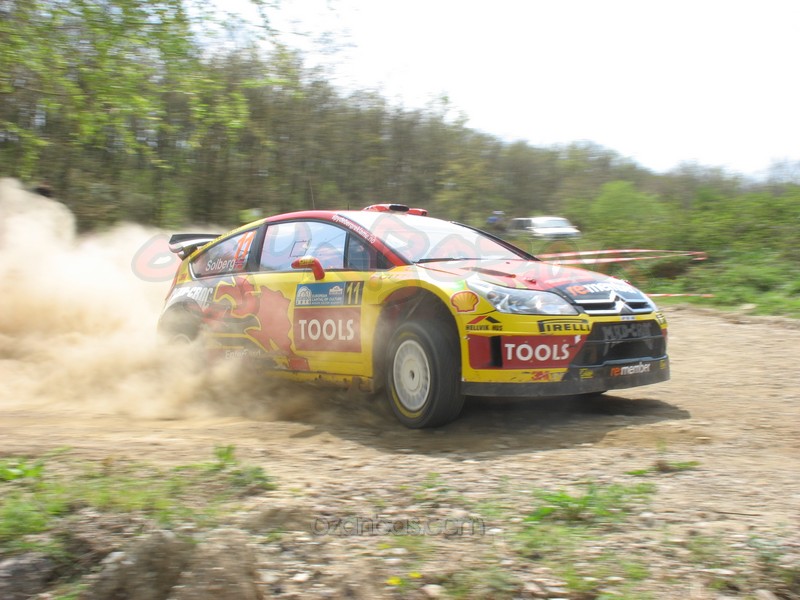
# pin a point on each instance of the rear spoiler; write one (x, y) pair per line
(183, 244)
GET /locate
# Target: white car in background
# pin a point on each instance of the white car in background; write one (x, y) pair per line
(550, 228)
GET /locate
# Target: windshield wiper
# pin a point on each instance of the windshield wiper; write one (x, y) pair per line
(445, 259)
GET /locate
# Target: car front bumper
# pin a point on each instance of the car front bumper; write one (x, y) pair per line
(574, 380)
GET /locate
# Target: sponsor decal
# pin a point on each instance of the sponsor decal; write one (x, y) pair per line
(370, 237)
(201, 295)
(547, 376)
(630, 370)
(565, 326)
(464, 301)
(242, 354)
(329, 294)
(262, 315)
(328, 329)
(519, 352)
(235, 263)
(626, 331)
(220, 264)
(586, 374)
(484, 323)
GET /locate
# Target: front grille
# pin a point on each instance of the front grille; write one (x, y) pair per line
(614, 304)
(622, 341)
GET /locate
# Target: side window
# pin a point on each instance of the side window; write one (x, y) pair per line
(283, 243)
(286, 242)
(327, 244)
(360, 256)
(228, 256)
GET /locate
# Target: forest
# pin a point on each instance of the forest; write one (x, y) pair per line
(164, 113)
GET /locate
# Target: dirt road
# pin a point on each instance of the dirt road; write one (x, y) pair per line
(720, 443)
(686, 489)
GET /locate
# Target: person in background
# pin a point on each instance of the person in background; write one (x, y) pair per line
(496, 221)
(43, 189)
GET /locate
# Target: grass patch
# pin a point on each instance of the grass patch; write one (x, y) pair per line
(774, 566)
(563, 524)
(489, 582)
(20, 468)
(665, 466)
(765, 283)
(34, 497)
(550, 542)
(593, 578)
(599, 503)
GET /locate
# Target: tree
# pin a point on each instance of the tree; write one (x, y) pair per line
(624, 217)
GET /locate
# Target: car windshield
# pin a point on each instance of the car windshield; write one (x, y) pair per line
(424, 239)
(554, 222)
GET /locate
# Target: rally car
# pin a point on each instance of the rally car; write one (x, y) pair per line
(430, 310)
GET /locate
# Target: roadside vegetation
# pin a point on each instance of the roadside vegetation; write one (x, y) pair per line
(584, 540)
(749, 243)
(200, 130)
(39, 495)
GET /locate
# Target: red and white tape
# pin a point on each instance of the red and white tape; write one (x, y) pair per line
(619, 257)
(652, 254)
(681, 295)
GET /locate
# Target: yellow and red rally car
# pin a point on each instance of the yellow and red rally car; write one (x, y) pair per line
(430, 309)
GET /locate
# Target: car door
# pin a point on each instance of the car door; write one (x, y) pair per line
(291, 319)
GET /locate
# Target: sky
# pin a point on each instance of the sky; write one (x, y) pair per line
(709, 82)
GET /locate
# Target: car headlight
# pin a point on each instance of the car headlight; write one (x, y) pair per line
(522, 302)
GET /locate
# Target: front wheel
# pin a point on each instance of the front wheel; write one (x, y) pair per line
(423, 370)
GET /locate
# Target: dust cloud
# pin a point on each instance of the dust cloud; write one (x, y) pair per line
(77, 327)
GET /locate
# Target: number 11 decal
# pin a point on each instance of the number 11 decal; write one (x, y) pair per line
(352, 291)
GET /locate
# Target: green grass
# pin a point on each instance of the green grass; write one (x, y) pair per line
(489, 582)
(766, 284)
(784, 576)
(561, 524)
(665, 466)
(767, 281)
(20, 468)
(34, 497)
(589, 577)
(599, 503)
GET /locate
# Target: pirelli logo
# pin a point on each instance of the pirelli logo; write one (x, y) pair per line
(565, 326)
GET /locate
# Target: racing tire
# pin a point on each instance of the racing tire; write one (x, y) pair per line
(179, 326)
(423, 371)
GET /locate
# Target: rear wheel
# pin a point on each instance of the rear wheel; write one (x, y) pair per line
(423, 369)
(179, 326)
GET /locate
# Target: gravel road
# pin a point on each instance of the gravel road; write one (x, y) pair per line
(700, 474)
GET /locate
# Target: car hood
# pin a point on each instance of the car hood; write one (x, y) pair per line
(574, 283)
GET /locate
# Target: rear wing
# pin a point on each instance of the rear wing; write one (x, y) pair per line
(183, 244)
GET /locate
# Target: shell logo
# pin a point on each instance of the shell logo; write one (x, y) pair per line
(464, 301)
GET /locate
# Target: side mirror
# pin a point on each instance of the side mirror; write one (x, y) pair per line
(309, 262)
